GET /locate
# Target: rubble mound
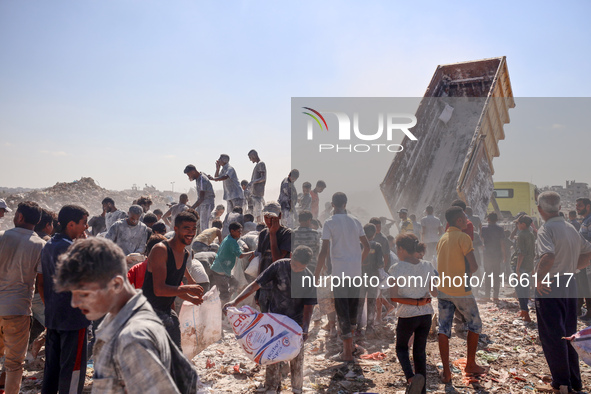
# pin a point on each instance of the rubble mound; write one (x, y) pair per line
(86, 193)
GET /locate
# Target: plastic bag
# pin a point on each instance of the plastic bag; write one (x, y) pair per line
(253, 267)
(581, 341)
(201, 325)
(446, 113)
(267, 338)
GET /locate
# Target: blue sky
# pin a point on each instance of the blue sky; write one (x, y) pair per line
(131, 91)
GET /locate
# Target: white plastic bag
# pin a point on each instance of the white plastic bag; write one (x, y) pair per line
(267, 338)
(446, 113)
(201, 325)
(253, 267)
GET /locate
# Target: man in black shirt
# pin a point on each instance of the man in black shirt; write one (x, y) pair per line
(274, 244)
(289, 297)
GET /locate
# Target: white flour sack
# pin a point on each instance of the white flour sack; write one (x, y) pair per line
(267, 338)
(581, 341)
(201, 325)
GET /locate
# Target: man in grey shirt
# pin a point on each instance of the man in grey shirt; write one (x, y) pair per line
(560, 251)
(257, 185)
(205, 196)
(130, 234)
(233, 194)
(20, 254)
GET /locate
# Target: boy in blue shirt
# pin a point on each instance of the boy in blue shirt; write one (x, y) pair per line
(221, 269)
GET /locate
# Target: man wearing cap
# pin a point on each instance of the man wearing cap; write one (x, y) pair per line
(405, 225)
(274, 244)
(233, 193)
(130, 234)
(3, 208)
(205, 196)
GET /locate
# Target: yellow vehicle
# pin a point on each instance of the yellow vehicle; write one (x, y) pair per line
(516, 197)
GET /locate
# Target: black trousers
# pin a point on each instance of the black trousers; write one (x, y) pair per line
(557, 318)
(419, 326)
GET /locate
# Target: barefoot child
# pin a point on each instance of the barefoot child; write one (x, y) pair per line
(412, 291)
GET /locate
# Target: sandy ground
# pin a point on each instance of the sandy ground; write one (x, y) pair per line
(508, 346)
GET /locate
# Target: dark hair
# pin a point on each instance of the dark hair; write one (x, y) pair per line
(305, 216)
(92, 260)
(421, 248)
(586, 201)
(260, 227)
(154, 240)
(453, 214)
(572, 213)
(70, 213)
(376, 221)
(321, 184)
(429, 210)
(150, 218)
(189, 168)
(459, 203)
(248, 218)
(317, 223)
(159, 228)
(143, 200)
(108, 200)
(243, 182)
(302, 254)
(184, 196)
(306, 185)
(408, 242)
(339, 199)
(31, 211)
(253, 153)
(369, 230)
(493, 217)
(237, 210)
(186, 216)
(46, 218)
(158, 211)
(294, 173)
(234, 226)
(217, 224)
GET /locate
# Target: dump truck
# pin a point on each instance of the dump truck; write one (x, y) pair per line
(514, 198)
(460, 121)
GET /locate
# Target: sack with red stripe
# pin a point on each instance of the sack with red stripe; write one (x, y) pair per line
(267, 338)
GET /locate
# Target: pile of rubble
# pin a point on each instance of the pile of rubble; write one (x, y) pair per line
(86, 193)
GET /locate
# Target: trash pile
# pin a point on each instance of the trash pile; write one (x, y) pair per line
(508, 347)
(86, 193)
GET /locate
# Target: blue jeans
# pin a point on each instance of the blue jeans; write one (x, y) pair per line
(467, 307)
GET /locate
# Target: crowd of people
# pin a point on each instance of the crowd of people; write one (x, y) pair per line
(79, 278)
